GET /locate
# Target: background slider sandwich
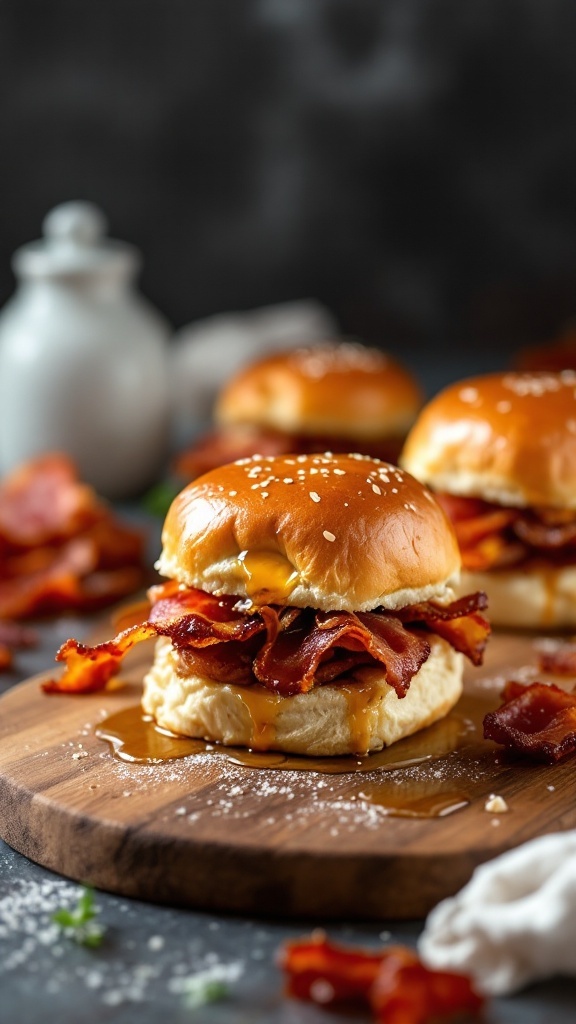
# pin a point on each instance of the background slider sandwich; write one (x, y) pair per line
(337, 396)
(500, 453)
(309, 609)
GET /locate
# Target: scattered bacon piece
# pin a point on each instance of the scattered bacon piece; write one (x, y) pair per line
(326, 973)
(538, 720)
(561, 661)
(88, 669)
(392, 981)
(288, 650)
(60, 546)
(42, 501)
(407, 992)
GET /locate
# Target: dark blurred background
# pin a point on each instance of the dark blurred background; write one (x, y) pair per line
(409, 163)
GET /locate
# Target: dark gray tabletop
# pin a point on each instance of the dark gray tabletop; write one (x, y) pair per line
(146, 967)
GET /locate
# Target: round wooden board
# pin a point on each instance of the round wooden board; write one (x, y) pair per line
(207, 833)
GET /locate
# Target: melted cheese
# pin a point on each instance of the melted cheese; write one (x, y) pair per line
(268, 575)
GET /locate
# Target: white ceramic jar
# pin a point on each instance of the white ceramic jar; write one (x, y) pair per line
(83, 357)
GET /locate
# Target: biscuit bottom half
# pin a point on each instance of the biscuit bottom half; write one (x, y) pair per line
(356, 714)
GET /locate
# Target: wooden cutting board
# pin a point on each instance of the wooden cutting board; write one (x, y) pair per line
(203, 831)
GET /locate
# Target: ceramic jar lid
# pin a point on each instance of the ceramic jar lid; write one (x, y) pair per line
(75, 242)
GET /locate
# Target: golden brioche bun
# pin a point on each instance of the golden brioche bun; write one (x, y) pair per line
(332, 532)
(356, 715)
(341, 389)
(508, 438)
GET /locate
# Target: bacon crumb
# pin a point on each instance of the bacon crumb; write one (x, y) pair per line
(392, 981)
(560, 660)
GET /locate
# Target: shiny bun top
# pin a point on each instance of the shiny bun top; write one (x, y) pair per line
(334, 532)
(506, 437)
(344, 389)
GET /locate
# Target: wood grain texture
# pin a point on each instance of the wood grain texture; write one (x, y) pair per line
(204, 832)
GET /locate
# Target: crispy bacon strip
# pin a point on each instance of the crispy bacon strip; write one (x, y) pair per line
(60, 546)
(88, 669)
(539, 531)
(43, 500)
(538, 720)
(186, 616)
(460, 623)
(407, 992)
(230, 443)
(321, 971)
(493, 537)
(288, 661)
(470, 531)
(288, 650)
(392, 981)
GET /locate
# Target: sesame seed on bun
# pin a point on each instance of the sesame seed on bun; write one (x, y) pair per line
(343, 389)
(343, 532)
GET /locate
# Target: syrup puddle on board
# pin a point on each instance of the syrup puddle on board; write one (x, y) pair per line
(135, 737)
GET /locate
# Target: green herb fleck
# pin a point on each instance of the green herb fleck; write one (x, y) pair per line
(207, 986)
(158, 499)
(79, 924)
(199, 991)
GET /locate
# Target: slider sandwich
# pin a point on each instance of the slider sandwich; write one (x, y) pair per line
(309, 608)
(335, 396)
(499, 451)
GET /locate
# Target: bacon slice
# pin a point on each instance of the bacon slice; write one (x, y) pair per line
(60, 546)
(460, 623)
(43, 500)
(288, 650)
(88, 669)
(560, 660)
(493, 537)
(185, 616)
(323, 972)
(392, 981)
(538, 720)
(228, 444)
(289, 661)
(540, 532)
(470, 531)
(407, 992)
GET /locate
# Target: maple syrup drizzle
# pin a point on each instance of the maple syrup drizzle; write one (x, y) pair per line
(136, 738)
(415, 799)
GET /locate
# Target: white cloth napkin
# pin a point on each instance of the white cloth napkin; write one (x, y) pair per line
(514, 922)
